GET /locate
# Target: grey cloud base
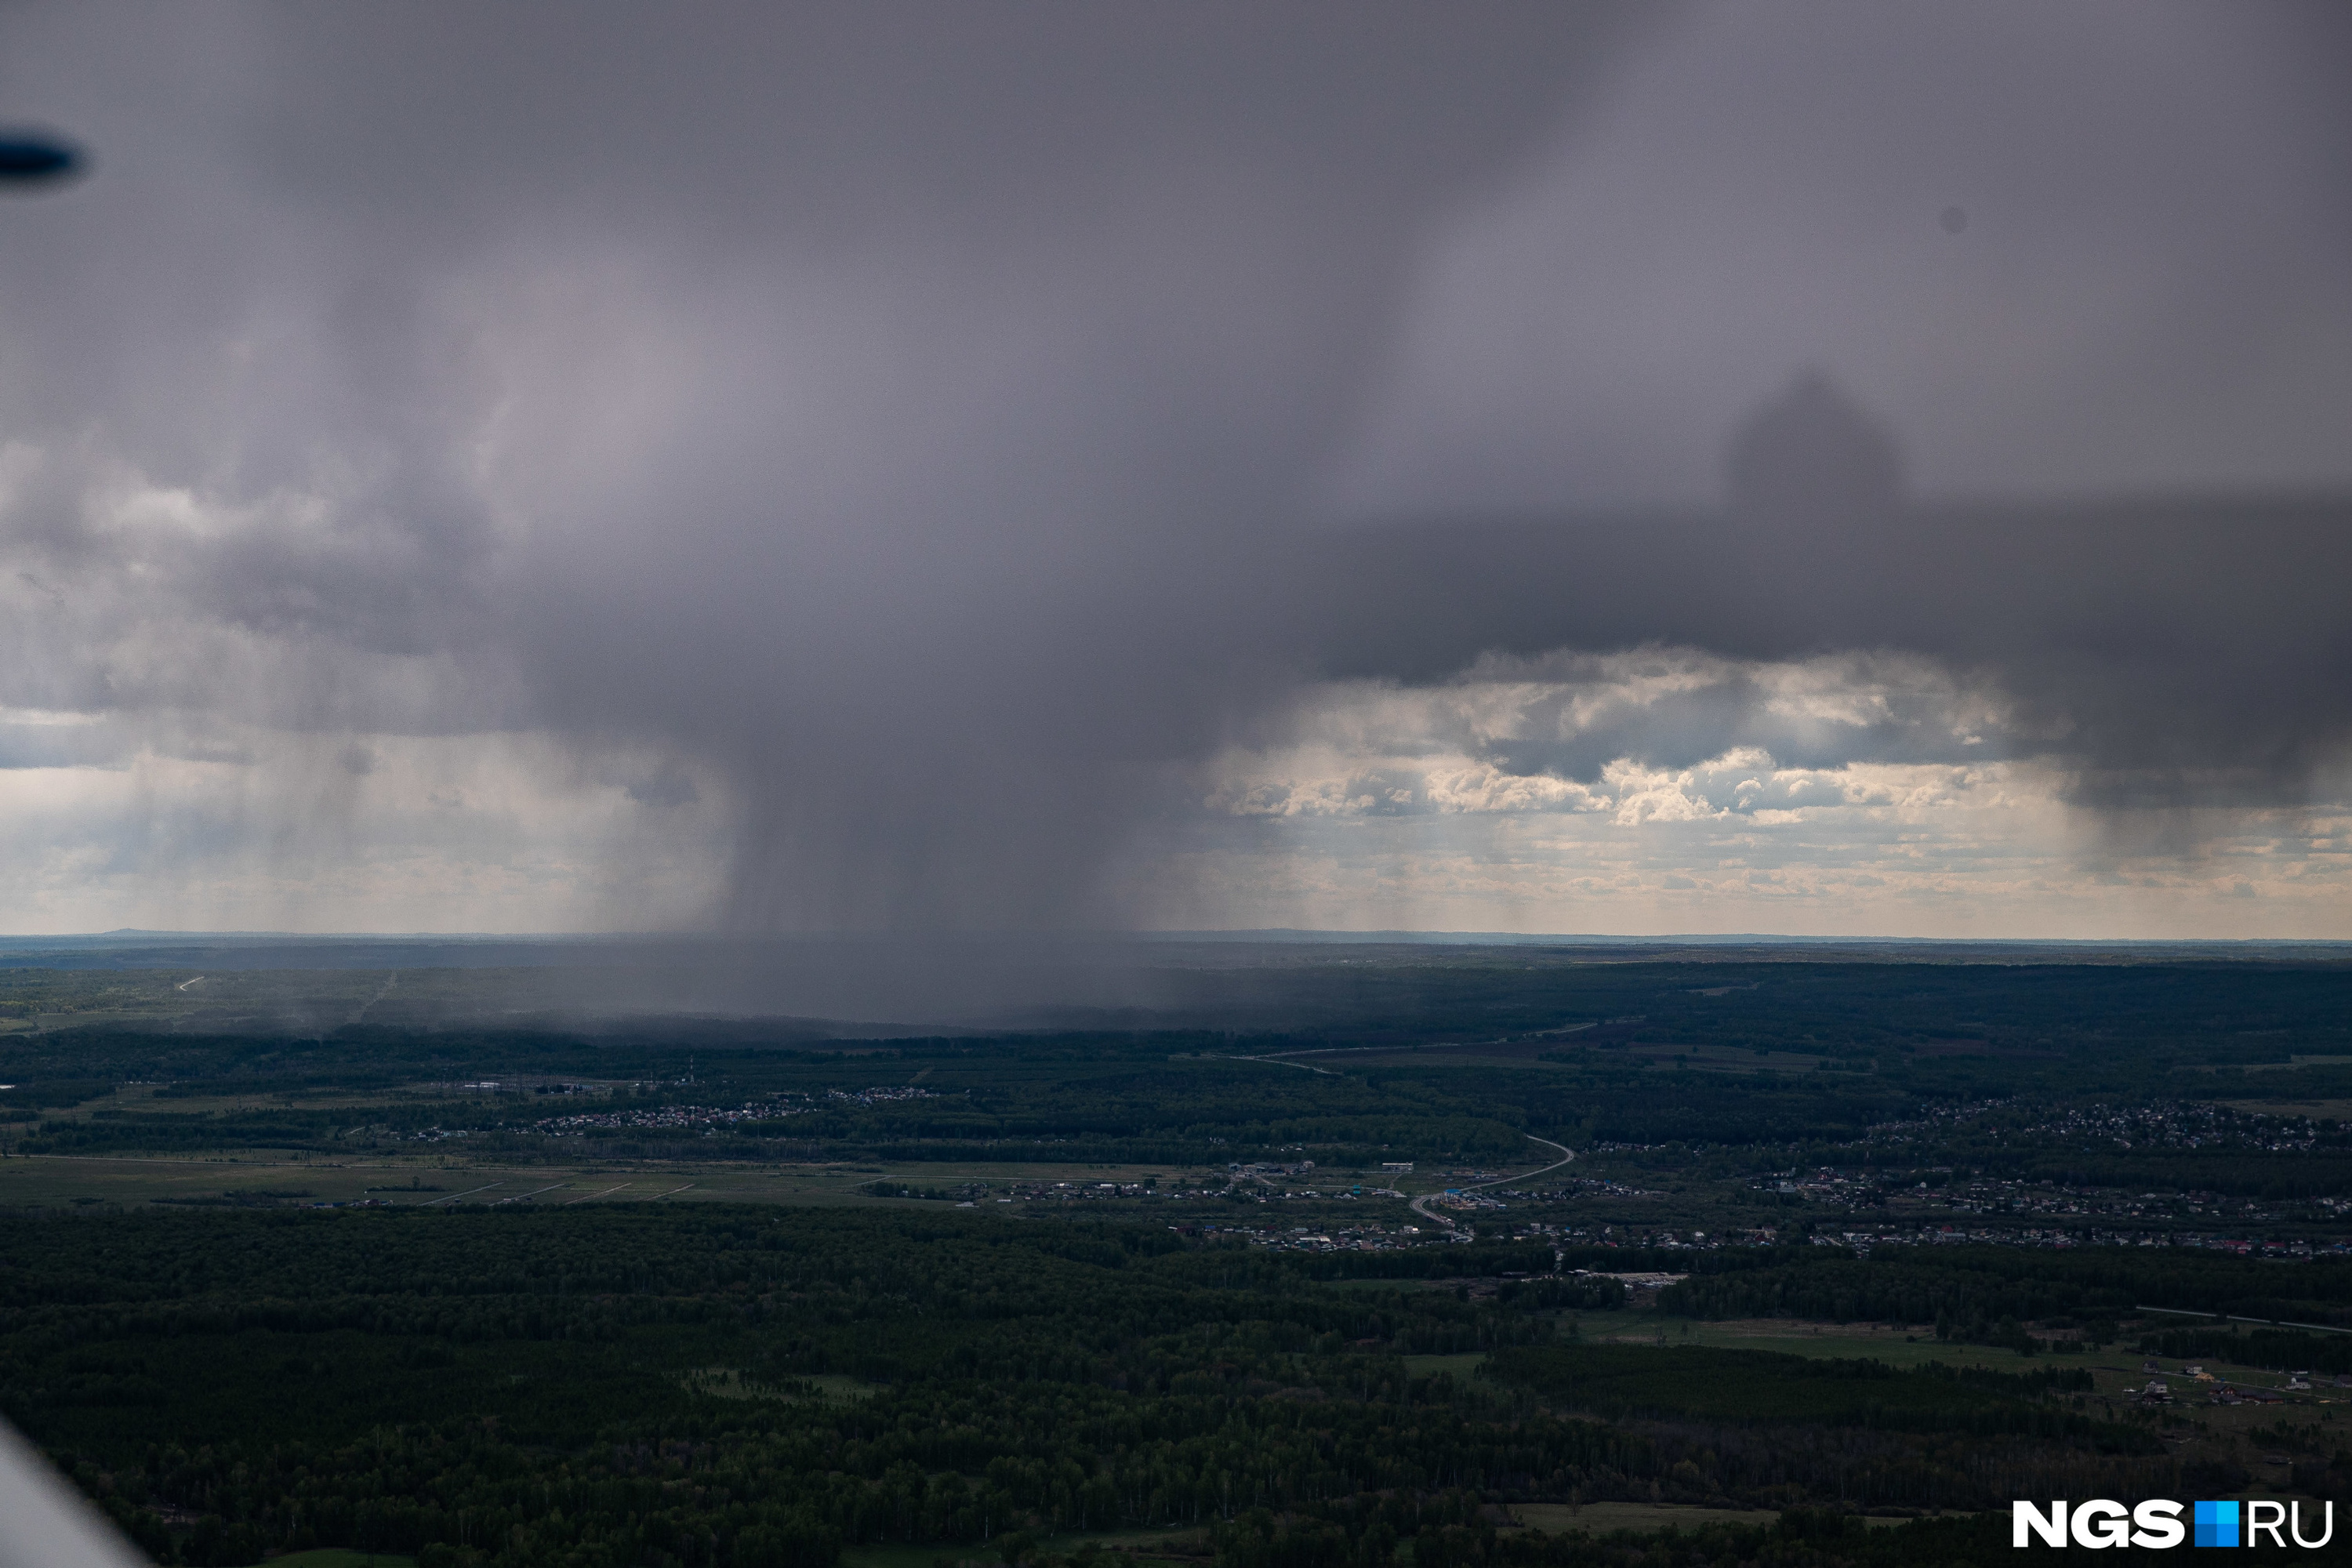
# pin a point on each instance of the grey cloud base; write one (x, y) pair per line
(918, 424)
(2172, 650)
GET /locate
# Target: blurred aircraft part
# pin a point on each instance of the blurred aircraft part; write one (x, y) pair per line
(44, 1523)
(36, 158)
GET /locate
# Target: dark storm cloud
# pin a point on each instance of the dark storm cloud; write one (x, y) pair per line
(2171, 651)
(910, 415)
(883, 405)
(2141, 326)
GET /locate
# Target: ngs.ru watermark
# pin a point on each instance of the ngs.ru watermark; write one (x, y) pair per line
(2160, 1522)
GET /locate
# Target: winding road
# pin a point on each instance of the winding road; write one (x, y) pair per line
(1420, 1205)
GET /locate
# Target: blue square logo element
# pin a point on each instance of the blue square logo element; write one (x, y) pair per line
(2216, 1524)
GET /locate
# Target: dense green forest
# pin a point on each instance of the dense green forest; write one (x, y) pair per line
(524, 1387)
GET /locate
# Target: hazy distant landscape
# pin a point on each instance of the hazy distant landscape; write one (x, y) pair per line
(1283, 1268)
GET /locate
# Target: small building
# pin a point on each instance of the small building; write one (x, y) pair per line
(1397, 1167)
(2157, 1391)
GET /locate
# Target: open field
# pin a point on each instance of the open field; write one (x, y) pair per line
(255, 1179)
(1822, 1340)
(1600, 1518)
(1736, 1060)
(1136, 1548)
(1897, 1346)
(263, 1176)
(1527, 1056)
(2116, 1370)
(2263, 1437)
(729, 1383)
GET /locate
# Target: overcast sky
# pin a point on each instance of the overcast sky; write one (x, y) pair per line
(1093, 466)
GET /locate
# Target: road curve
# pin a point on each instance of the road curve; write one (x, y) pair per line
(1420, 1205)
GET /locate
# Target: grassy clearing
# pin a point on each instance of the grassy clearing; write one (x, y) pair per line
(2116, 1369)
(1600, 1518)
(1140, 1548)
(727, 1382)
(1740, 1060)
(1462, 1366)
(1896, 1345)
(340, 1557)
(1712, 1384)
(903, 1554)
(219, 1178)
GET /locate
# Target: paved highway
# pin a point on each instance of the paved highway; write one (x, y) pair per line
(1421, 1203)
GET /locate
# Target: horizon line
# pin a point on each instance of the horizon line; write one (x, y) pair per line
(1228, 934)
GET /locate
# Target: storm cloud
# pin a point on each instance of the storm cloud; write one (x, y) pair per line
(917, 437)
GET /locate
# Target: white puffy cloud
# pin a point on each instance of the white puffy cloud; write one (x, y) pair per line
(1391, 806)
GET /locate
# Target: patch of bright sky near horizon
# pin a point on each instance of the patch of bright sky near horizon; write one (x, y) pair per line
(1385, 809)
(1588, 331)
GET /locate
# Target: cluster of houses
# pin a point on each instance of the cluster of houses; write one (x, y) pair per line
(2222, 1392)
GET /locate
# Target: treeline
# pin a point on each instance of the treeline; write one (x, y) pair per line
(1013, 1106)
(1961, 1290)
